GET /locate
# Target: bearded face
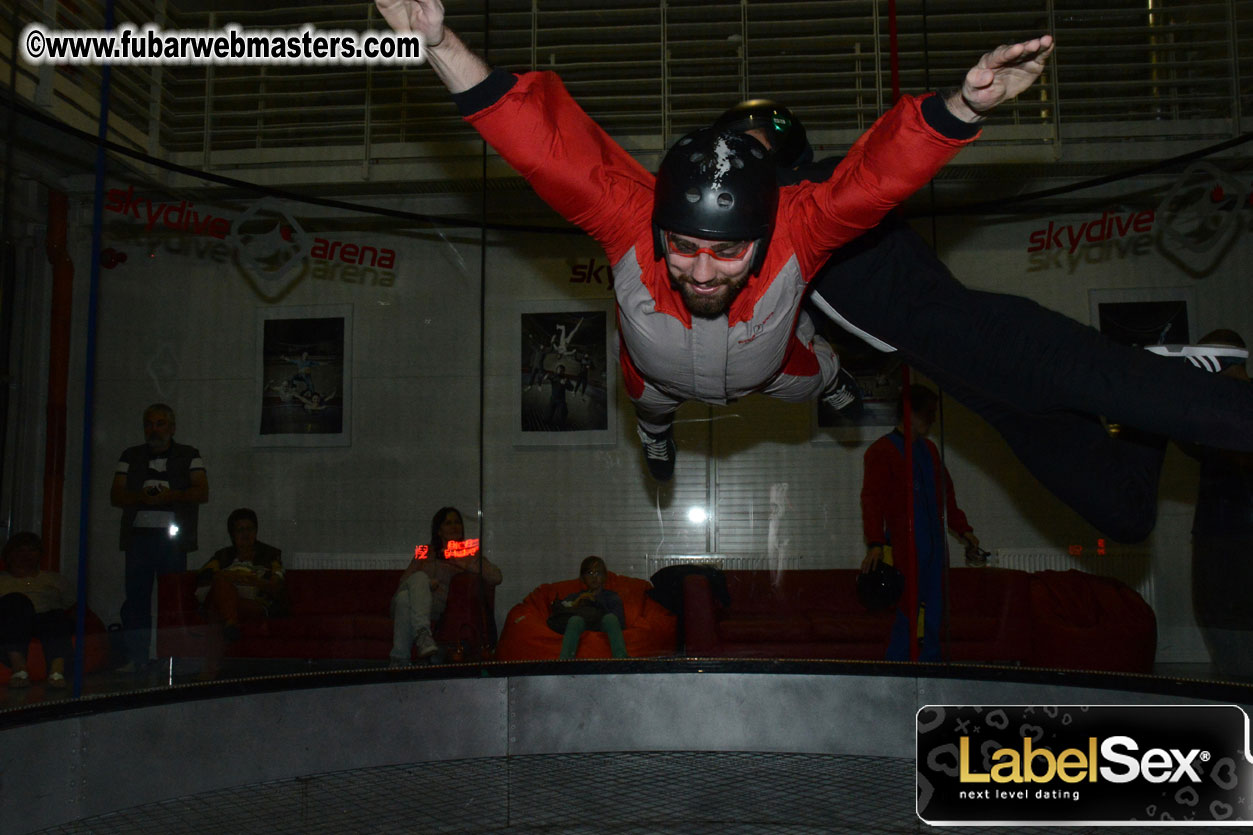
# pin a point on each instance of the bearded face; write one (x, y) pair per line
(707, 274)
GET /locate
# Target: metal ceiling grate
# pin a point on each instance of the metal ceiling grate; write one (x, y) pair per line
(649, 70)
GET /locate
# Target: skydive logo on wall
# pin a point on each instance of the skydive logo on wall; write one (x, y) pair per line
(1195, 225)
(268, 246)
(1042, 765)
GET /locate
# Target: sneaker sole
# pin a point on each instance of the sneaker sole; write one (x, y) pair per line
(1205, 357)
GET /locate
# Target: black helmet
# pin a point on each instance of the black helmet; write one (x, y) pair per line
(880, 587)
(787, 134)
(719, 186)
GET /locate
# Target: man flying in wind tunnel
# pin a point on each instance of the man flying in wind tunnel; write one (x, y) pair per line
(1038, 377)
(711, 258)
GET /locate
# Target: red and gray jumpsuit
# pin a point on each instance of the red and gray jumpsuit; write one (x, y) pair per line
(764, 343)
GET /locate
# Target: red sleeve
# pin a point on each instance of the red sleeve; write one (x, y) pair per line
(898, 155)
(876, 490)
(957, 522)
(569, 160)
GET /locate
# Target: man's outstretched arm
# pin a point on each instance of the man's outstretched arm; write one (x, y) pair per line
(454, 63)
(999, 76)
(532, 122)
(907, 146)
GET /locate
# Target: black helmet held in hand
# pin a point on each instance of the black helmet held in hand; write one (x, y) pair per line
(787, 135)
(880, 587)
(719, 186)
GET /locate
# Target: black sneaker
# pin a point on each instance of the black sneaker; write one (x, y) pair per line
(1205, 357)
(845, 396)
(659, 452)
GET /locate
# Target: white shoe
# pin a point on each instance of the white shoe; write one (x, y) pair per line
(426, 644)
(1205, 357)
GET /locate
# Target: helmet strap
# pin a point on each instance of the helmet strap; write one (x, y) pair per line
(759, 255)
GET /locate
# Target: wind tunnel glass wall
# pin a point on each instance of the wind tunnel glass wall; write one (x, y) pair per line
(346, 373)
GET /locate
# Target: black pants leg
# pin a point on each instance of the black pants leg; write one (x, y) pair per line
(54, 630)
(1038, 377)
(1222, 569)
(1111, 484)
(17, 616)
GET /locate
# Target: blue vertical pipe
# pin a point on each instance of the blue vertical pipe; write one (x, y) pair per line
(89, 381)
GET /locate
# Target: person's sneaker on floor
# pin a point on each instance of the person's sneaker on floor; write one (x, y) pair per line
(19, 680)
(1205, 357)
(56, 673)
(426, 644)
(659, 452)
(845, 396)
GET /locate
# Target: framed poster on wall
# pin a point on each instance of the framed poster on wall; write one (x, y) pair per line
(565, 389)
(304, 376)
(1140, 316)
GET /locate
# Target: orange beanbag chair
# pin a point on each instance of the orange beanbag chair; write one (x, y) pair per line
(649, 629)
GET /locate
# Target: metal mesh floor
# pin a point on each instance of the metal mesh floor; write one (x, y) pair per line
(657, 792)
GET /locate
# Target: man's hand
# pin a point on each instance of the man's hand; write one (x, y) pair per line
(465, 565)
(873, 555)
(155, 496)
(458, 67)
(425, 17)
(999, 76)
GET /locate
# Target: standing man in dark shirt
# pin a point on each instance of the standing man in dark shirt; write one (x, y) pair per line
(1222, 539)
(159, 485)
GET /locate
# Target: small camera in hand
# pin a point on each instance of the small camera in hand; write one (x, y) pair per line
(152, 490)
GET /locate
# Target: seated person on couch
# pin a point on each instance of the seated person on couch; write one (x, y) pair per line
(33, 604)
(242, 581)
(422, 595)
(595, 607)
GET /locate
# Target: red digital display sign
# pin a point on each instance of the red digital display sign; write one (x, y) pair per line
(452, 550)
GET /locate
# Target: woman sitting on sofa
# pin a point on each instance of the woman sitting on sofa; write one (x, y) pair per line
(243, 581)
(32, 605)
(422, 595)
(595, 607)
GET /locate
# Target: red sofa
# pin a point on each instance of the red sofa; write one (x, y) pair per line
(649, 629)
(1084, 622)
(816, 614)
(1067, 619)
(334, 613)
